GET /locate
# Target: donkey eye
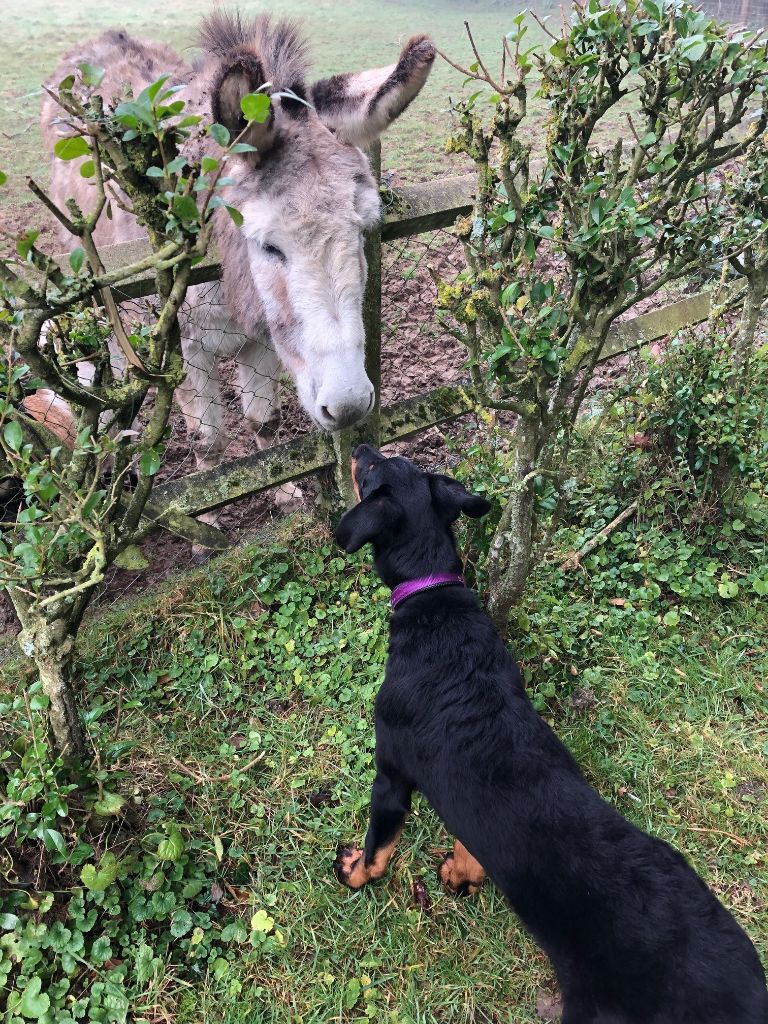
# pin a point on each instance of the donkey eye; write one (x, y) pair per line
(272, 250)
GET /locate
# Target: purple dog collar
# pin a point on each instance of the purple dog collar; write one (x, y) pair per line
(440, 579)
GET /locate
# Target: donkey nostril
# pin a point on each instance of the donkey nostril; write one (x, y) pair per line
(327, 413)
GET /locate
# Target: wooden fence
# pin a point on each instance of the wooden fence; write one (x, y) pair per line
(414, 210)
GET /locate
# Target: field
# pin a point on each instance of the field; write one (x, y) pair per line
(345, 36)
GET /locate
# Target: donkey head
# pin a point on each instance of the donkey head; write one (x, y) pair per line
(306, 196)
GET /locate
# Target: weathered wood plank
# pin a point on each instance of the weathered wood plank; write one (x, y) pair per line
(658, 323)
(416, 208)
(428, 206)
(214, 488)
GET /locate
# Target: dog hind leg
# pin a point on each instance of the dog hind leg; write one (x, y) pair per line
(460, 872)
(390, 803)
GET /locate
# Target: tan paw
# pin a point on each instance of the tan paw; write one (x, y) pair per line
(349, 867)
(454, 881)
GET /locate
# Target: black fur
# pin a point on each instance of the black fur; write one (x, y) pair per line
(634, 934)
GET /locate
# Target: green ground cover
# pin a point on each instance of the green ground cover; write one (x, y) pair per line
(245, 692)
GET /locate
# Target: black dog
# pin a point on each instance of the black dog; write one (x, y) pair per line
(634, 934)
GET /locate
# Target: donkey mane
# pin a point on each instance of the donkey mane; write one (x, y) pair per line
(278, 43)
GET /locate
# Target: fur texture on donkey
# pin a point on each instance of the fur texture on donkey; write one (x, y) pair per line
(634, 934)
(293, 275)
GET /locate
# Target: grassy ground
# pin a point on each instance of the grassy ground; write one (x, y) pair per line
(275, 652)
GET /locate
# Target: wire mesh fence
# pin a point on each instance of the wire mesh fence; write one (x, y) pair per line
(740, 13)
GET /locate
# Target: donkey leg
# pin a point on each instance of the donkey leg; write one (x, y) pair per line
(258, 373)
(199, 398)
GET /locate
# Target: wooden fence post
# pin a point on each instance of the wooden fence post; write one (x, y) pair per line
(369, 431)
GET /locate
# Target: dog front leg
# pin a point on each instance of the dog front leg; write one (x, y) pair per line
(390, 803)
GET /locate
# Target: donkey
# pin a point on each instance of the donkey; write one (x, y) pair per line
(293, 275)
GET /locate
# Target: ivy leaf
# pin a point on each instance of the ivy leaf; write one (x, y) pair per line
(262, 922)
(728, 589)
(99, 879)
(255, 107)
(110, 803)
(71, 148)
(181, 922)
(172, 847)
(33, 1004)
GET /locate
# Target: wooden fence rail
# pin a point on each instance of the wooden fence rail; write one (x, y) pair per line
(412, 210)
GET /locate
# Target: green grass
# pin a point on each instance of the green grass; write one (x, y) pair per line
(276, 651)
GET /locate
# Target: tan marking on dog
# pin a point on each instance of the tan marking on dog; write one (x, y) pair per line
(352, 870)
(460, 872)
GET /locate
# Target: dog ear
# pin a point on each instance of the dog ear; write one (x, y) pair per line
(452, 498)
(367, 520)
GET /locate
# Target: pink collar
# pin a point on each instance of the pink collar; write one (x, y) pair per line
(440, 579)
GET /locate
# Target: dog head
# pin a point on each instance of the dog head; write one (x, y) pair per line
(406, 514)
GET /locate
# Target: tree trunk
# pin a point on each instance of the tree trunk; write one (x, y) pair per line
(509, 560)
(50, 645)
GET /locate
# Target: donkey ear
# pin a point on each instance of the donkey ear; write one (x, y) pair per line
(452, 498)
(359, 107)
(239, 74)
(366, 521)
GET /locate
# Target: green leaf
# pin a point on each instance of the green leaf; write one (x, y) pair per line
(255, 107)
(693, 48)
(262, 922)
(185, 208)
(13, 435)
(99, 879)
(181, 922)
(77, 258)
(219, 134)
(110, 803)
(92, 74)
(71, 148)
(155, 172)
(149, 463)
(236, 216)
(208, 164)
(9, 922)
(546, 231)
(243, 147)
(728, 589)
(33, 1004)
(172, 847)
(3, 177)
(87, 169)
